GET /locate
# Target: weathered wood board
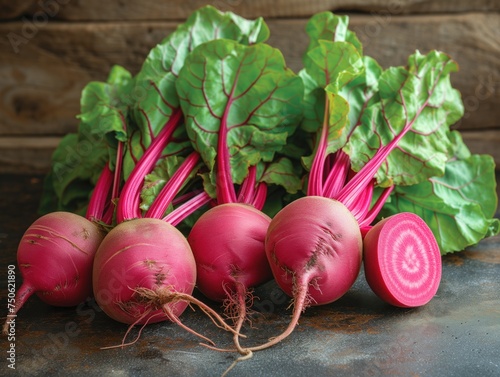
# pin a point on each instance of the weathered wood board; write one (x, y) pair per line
(93, 10)
(41, 77)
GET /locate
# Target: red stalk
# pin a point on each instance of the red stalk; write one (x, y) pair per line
(260, 196)
(107, 217)
(251, 192)
(172, 186)
(128, 205)
(374, 211)
(225, 186)
(363, 202)
(337, 176)
(118, 171)
(315, 184)
(100, 195)
(185, 197)
(187, 208)
(247, 189)
(357, 184)
(357, 192)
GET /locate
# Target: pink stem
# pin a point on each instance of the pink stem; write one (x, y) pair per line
(118, 171)
(172, 187)
(364, 230)
(99, 197)
(362, 178)
(362, 204)
(107, 217)
(315, 184)
(336, 179)
(247, 189)
(184, 197)
(260, 196)
(128, 205)
(225, 186)
(374, 211)
(186, 209)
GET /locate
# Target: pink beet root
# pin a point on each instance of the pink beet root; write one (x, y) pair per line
(139, 268)
(228, 245)
(314, 248)
(314, 244)
(55, 257)
(402, 261)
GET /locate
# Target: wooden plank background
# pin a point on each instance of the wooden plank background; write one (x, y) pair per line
(72, 10)
(64, 44)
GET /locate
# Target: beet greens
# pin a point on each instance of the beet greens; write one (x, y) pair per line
(379, 104)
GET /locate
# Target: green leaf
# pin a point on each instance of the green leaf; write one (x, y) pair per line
(330, 27)
(361, 92)
(105, 110)
(282, 172)
(330, 41)
(209, 185)
(297, 145)
(154, 96)
(465, 178)
(458, 206)
(314, 103)
(155, 181)
(104, 106)
(252, 31)
(333, 64)
(460, 150)
(330, 64)
(357, 94)
(419, 96)
(338, 119)
(249, 91)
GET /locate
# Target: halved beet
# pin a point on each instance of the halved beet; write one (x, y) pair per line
(402, 261)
